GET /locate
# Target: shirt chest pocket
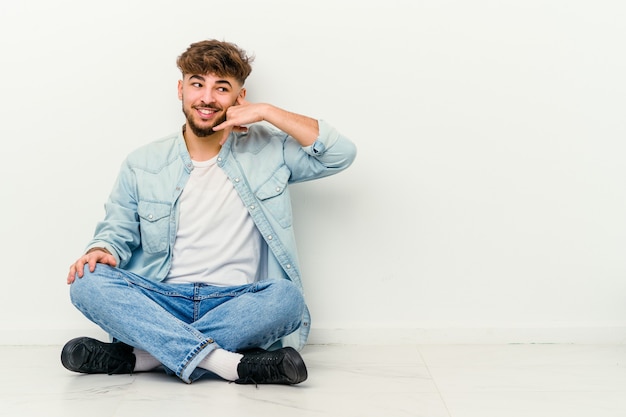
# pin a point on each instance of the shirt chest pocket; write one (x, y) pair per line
(154, 225)
(274, 196)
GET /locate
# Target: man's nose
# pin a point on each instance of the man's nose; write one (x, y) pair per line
(208, 96)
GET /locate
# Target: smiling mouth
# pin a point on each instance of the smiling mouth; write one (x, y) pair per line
(206, 112)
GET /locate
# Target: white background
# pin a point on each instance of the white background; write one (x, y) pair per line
(487, 201)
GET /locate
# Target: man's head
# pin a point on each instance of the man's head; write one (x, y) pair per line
(214, 73)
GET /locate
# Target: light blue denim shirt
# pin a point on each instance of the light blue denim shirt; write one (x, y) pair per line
(142, 211)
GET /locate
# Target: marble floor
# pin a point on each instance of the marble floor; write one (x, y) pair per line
(344, 380)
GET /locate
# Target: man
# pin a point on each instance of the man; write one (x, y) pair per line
(194, 267)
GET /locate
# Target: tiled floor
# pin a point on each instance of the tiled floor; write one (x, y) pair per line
(360, 381)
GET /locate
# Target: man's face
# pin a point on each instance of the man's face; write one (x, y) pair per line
(205, 100)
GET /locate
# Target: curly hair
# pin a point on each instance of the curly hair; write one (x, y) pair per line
(221, 58)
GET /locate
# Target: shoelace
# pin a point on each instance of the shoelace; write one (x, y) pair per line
(100, 358)
(262, 369)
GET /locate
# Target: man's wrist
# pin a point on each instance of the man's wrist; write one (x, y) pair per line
(98, 248)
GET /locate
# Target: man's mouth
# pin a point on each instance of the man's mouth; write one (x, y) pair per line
(206, 112)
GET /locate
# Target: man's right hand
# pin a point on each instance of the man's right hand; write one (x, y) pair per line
(92, 257)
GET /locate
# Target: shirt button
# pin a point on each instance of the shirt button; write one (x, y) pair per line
(236, 179)
(219, 159)
(277, 189)
(288, 266)
(252, 207)
(150, 216)
(270, 237)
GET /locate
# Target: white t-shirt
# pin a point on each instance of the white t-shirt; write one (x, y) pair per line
(217, 242)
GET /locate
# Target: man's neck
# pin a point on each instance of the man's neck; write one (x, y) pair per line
(202, 148)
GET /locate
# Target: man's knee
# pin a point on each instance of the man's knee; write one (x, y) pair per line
(88, 288)
(80, 288)
(288, 294)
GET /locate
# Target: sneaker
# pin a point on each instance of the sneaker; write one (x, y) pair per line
(91, 356)
(282, 366)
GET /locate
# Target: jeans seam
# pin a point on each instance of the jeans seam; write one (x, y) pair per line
(194, 358)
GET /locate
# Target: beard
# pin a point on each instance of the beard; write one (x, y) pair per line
(200, 131)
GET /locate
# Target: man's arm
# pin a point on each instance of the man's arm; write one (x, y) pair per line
(117, 234)
(316, 149)
(303, 129)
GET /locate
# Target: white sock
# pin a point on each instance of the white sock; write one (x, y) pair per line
(222, 363)
(145, 361)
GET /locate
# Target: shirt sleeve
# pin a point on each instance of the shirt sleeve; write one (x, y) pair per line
(329, 154)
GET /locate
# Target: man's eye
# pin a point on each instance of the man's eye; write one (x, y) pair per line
(198, 85)
(222, 89)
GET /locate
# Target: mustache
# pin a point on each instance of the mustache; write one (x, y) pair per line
(208, 106)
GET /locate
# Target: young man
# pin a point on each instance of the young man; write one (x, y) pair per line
(194, 267)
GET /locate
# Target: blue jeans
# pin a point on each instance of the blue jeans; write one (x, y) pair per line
(180, 324)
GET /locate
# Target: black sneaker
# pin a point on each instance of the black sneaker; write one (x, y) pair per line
(282, 366)
(91, 356)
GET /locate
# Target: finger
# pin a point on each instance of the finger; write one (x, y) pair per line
(111, 261)
(80, 266)
(71, 277)
(221, 126)
(91, 264)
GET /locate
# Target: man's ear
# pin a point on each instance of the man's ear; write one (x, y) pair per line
(180, 89)
(242, 93)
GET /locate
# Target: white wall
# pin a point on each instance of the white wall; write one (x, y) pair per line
(487, 202)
